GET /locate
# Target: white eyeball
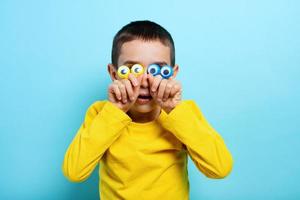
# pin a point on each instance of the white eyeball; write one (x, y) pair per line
(137, 69)
(153, 69)
(166, 71)
(123, 71)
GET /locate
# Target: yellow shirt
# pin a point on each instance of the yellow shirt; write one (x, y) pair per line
(145, 160)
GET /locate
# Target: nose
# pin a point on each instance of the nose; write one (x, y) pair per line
(144, 82)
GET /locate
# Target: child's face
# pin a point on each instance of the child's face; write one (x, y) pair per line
(144, 53)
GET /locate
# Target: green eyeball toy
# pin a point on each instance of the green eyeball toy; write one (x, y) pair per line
(124, 71)
(165, 71)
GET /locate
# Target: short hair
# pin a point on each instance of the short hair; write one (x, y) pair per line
(144, 30)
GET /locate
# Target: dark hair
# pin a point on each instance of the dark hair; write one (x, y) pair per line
(145, 30)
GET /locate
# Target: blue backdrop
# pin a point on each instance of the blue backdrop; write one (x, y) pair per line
(239, 59)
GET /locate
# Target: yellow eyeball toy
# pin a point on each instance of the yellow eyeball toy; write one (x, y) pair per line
(137, 69)
(123, 71)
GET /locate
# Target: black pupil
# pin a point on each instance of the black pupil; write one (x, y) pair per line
(152, 71)
(136, 70)
(166, 72)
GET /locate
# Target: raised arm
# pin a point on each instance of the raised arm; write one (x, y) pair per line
(101, 127)
(205, 146)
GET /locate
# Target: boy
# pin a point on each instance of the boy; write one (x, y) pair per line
(142, 134)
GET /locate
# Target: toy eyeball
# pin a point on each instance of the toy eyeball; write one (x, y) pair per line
(153, 69)
(137, 69)
(123, 71)
(166, 71)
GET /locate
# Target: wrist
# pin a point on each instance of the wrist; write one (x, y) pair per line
(170, 108)
(120, 106)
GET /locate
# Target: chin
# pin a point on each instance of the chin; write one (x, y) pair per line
(144, 108)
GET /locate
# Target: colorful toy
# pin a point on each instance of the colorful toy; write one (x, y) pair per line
(153, 69)
(165, 71)
(137, 69)
(123, 72)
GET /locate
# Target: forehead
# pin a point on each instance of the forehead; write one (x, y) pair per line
(144, 52)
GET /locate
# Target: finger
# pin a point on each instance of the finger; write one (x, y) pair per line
(156, 82)
(123, 92)
(140, 80)
(161, 89)
(175, 89)
(128, 88)
(150, 79)
(133, 80)
(117, 92)
(168, 89)
(116, 89)
(137, 88)
(114, 93)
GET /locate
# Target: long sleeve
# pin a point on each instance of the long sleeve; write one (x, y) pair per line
(204, 145)
(101, 127)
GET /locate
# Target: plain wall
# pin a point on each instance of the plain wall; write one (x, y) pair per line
(239, 60)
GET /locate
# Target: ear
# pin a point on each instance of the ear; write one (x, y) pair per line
(112, 72)
(175, 70)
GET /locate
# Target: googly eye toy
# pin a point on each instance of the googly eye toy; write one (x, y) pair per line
(137, 69)
(124, 71)
(165, 71)
(153, 69)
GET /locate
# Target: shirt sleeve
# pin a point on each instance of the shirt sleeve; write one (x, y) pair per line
(204, 145)
(101, 127)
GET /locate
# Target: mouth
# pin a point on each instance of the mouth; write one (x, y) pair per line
(143, 99)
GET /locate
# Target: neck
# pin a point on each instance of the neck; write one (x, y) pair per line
(144, 117)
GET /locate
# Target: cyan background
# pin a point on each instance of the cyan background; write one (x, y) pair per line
(240, 61)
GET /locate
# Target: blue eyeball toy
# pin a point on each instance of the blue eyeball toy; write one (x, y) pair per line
(165, 71)
(153, 69)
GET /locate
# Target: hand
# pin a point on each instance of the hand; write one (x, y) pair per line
(123, 93)
(166, 92)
